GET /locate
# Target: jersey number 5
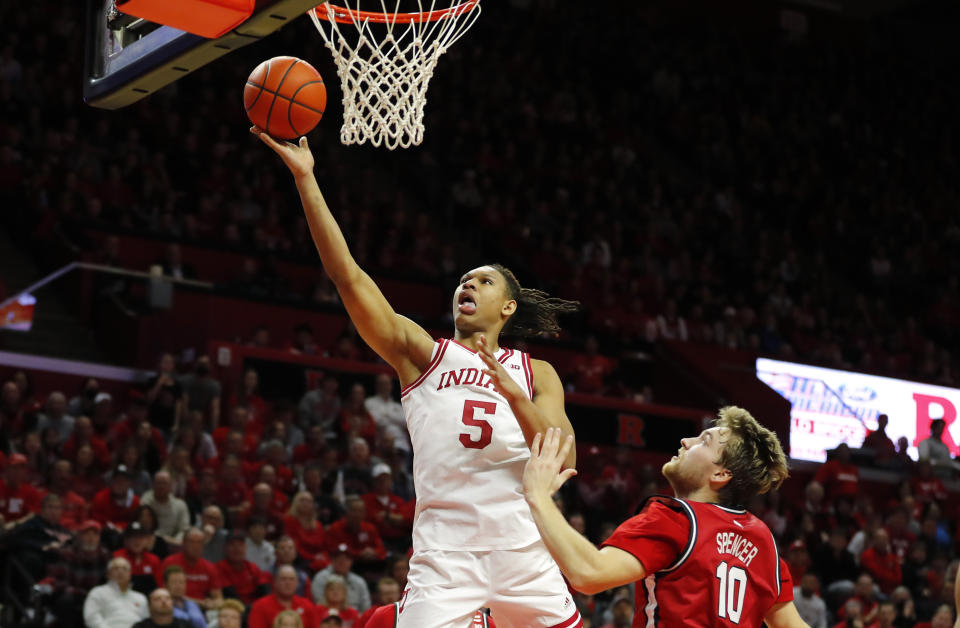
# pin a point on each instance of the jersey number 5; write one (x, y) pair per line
(733, 586)
(486, 430)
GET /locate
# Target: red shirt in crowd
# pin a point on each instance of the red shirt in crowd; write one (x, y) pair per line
(368, 536)
(838, 478)
(75, 510)
(929, 489)
(101, 453)
(884, 567)
(589, 372)
(244, 579)
(148, 563)
(378, 511)
(349, 616)
(266, 608)
(17, 503)
(273, 520)
(232, 494)
(250, 440)
(696, 573)
(123, 431)
(202, 576)
(311, 544)
(106, 510)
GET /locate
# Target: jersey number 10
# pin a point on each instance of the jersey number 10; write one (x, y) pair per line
(733, 587)
(469, 418)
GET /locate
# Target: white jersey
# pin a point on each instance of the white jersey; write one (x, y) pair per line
(468, 454)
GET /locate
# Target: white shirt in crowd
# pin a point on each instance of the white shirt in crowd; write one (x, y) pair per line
(107, 606)
(812, 609)
(173, 516)
(261, 554)
(358, 594)
(390, 419)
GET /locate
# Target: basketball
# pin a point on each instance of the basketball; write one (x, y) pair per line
(285, 97)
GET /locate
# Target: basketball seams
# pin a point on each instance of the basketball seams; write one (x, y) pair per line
(266, 75)
(279, 85)
(290, 100)
(293, 101)
(266, 79)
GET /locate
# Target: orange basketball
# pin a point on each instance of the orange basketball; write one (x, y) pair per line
(285, 97)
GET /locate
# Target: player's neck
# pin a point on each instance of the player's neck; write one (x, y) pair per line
(703, 494)
(472, 340)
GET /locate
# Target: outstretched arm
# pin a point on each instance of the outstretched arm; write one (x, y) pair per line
(589, 570)
(536, 415)
(404, 345)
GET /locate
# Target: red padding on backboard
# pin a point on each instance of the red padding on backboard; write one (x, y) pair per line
(207, 18)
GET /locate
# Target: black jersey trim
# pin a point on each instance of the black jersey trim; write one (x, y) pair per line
(691, 540)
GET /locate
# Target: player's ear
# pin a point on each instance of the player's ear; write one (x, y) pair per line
(509, 307)
(720, 477)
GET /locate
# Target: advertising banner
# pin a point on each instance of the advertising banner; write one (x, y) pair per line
(832, 407)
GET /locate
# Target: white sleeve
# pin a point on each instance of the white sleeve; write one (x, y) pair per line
(93, 609)
(144, 607)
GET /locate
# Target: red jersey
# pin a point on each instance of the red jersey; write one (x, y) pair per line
(393, 505)
(17, 503)
(839, 479)
(368, 536)
(202, 576)
(75, 510)
(232, 494)
(268, 607)
(244, 580)
(348, 616)
(884, 567)
(707, 565)
(311, 544)
(147, 564)
(386, 617)
(107, 510)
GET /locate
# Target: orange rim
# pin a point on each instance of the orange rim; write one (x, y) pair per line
(343, 15)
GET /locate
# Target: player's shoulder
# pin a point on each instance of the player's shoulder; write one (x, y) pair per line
(665, 504)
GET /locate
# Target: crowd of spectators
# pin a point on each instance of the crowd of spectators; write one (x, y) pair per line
(737, 189)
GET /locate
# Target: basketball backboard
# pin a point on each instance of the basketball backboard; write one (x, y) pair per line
(128, 58)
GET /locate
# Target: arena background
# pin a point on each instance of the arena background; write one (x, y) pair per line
(714, 182)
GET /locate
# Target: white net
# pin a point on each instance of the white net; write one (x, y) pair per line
(385, 63)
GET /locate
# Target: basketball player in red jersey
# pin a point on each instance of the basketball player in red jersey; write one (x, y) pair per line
(386, 617)
(699, 559)
(472, 408)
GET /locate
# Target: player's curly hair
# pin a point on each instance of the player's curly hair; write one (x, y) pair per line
(752, 454)
(536, 311)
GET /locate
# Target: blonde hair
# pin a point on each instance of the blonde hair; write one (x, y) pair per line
(752, 454)
(293, 504)
(235, 605)
(278, 620)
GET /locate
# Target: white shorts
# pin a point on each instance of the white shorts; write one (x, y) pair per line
(523, 589)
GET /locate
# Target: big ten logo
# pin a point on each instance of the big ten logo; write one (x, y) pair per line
(630, 430)
(930, 407)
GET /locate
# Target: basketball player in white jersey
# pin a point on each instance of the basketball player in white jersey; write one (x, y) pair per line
(472, 410)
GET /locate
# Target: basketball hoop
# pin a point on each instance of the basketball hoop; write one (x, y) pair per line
(386, 66)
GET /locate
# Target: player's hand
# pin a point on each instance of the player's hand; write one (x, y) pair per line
(502, 382)
(542, 476)
(299, 159)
